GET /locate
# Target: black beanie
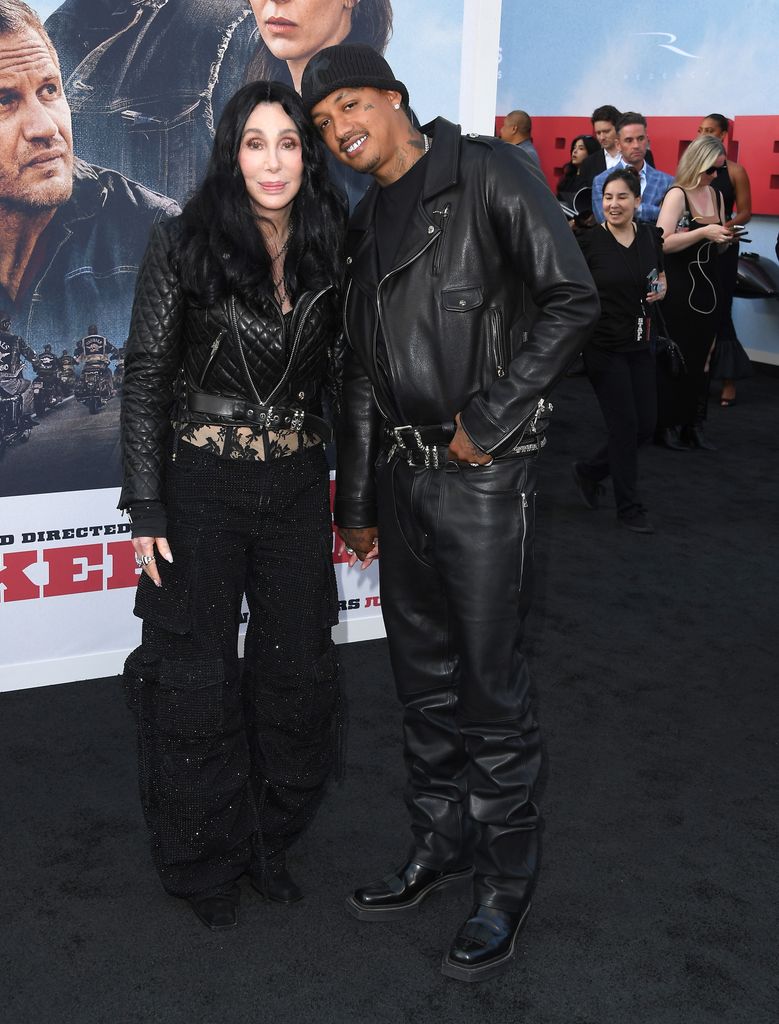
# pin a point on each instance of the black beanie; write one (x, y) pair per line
(348, 65)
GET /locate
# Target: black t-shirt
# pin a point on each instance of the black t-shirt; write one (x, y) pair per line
(394, 207)
(620, 275)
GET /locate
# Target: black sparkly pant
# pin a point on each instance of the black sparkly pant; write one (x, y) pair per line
(233, 764)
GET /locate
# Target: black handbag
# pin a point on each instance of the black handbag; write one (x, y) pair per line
(666, 349)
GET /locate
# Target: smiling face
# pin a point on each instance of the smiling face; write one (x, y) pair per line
(297, 29)
(363, 129)
(271, 160)
(36, 144)
(619, 203)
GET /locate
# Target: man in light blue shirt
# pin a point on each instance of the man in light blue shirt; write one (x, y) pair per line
(633, 143)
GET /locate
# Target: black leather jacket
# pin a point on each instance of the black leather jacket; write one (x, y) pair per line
(177, 350)
(488, 302)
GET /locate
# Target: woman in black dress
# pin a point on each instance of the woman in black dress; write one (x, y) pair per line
(692, 219)
(235, 331)
(626, 261)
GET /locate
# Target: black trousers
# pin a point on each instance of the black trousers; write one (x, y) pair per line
(456, 577)
(624, 383)
(233, 765)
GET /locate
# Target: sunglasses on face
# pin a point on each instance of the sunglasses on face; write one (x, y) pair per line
(711, 170)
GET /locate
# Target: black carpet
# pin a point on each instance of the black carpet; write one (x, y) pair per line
(655, 660)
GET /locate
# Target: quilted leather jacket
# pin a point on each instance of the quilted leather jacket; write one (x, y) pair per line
(488, 301)
(231, 349)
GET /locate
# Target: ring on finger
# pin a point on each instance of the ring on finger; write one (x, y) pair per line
(147, 559)
(349, 551)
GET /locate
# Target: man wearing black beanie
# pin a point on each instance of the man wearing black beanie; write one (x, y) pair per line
(466, 299)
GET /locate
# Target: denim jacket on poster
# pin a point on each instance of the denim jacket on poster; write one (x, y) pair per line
(147, 80)
(96, 242)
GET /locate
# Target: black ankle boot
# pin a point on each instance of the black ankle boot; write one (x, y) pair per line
(667, 437)
(217, 910)
(276, 883)
(485, 944)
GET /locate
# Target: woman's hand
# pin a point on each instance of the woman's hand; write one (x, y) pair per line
(144, 549)
(662, 288)
(717, 233)
(361, 545)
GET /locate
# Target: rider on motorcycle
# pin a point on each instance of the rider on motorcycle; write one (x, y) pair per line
(96, 350)
(13, 353)
(46, 365)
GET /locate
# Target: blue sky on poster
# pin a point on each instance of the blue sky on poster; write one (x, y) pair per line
(424, 51)
(666, 57)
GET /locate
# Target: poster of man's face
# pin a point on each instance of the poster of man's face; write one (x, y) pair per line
(107, 117)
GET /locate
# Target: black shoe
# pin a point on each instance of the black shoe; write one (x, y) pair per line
(590, 491)
(637, 521)
(485, 944)
(277, 884)
(667, 437)
(400, 895)
(217, 910)
(697, 439)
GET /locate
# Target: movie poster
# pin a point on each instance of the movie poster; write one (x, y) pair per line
(144, 85)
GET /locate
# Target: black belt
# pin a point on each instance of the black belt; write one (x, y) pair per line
(271, 417)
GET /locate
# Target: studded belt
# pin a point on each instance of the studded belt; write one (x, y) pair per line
(272, 417)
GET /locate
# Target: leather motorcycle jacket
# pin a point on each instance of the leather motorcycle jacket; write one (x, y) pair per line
(488, 301)
(182, 358)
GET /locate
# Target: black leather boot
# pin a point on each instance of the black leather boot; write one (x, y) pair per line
(276, 883)
(696, 438)
(485, 944)
(401, 894)
(667, 437)
(217, 910)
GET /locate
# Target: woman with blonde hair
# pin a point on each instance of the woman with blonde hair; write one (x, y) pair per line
(692, 219)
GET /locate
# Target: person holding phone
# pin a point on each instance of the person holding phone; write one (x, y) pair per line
(626, 261)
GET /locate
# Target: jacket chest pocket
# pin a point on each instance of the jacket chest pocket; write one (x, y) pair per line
(461, 300)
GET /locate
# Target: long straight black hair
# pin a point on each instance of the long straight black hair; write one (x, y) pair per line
(222, 250)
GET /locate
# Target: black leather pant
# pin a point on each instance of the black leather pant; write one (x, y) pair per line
(456, 575)
(233, 765)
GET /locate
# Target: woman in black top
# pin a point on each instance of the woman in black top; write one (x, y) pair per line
(571, 179)
(235, 331)
(626, 262)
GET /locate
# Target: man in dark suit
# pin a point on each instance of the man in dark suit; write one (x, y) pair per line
(604, 128)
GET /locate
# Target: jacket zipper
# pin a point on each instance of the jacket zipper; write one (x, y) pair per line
(233, 316)
(496, 336)
(524, 536)
(444, 215)
(386, 277)
(211, 356)
(296, 342)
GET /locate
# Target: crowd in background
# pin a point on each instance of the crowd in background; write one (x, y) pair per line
(663, 251)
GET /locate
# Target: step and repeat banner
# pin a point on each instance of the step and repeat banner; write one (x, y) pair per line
(145, 82)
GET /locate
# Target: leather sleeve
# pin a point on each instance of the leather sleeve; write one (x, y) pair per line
(544, 254)
(152, 363)
(358, 443)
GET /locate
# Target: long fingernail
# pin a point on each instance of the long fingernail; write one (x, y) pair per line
(157, 583)
(168, 558)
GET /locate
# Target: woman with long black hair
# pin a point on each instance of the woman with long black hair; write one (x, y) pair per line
(235, 331)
